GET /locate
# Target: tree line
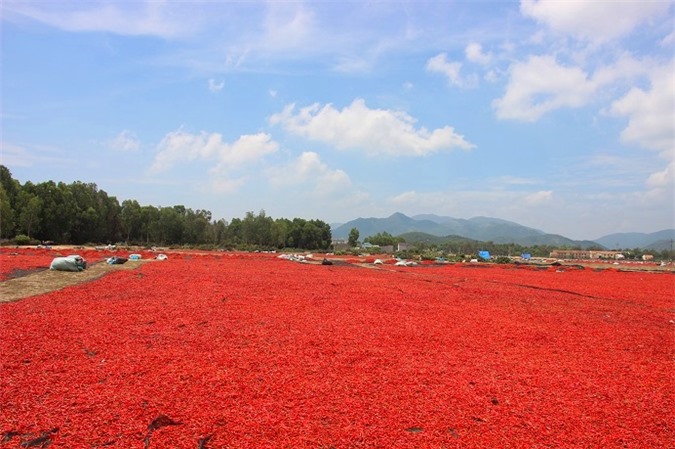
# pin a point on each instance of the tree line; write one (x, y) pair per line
(80, 213)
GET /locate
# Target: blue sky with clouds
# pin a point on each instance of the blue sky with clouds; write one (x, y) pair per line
(558, 115)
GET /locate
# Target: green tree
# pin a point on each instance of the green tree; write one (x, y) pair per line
(29, 217)
(150, 224)
(56, 213)
(12, 188)
(219, 231)
(324, 236)
(382, 239)
(171, 225)
(353, 237)
(86, 220)
(234, 232)
(279, 232)
(131, 220)
(6, 215)
(197, 226)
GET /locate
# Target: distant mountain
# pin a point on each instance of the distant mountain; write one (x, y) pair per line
(476, 228)
(395, 224)
(483, 228)
(660, 245)
(657, 241)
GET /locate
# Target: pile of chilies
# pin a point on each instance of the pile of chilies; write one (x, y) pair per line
(230, 350)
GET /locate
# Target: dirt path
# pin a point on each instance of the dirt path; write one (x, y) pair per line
(47, 281)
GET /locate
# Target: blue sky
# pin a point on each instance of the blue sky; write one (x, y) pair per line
(556, 115)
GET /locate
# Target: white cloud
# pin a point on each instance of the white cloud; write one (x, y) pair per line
(663, 178)
(651, 113)
(154, 18)
(593, 21)
(440, 64)
(624, 68)
(375, 131)
(451, 70)
(286, 27)
(542, 196)
(21, 156)
(540, 85)
(215, 86)
(668, 40)
(248, 148)
(180, 146)
(405, 198)
(308, 169)
(474, 53)
(125, 141)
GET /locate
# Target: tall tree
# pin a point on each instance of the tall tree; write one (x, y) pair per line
(31, 210)
(353, 237)
(6, 215)
(131, 220)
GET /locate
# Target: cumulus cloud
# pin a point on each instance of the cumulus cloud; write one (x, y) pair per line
(474, 53)
(375, 131)
(179, 146)
(539, 85)
(593, 21)
(650, 112)
(310, 170)
(125, 141)
(663, 178)
(451, 70)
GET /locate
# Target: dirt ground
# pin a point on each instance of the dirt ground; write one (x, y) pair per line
(45, 281)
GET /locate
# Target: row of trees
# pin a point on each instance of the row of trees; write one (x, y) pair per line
(81, 213)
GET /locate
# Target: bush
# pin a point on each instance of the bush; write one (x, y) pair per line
(22, 239)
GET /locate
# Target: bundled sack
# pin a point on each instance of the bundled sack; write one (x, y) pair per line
(116, 260)
(69, 263)
(135, 257)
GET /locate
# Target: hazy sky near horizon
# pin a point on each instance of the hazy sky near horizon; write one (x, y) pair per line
(557, 115)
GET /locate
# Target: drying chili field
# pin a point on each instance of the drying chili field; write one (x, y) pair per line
(251, 351)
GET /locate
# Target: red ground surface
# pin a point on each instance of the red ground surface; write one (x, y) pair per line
(250, 351)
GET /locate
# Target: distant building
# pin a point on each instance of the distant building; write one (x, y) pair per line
(340, 245)
(402, 246)
(647, 257)
(585, 254)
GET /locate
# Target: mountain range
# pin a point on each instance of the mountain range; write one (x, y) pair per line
(495, 230)
(655, 241)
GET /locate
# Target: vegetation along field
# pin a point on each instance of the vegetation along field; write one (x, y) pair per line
(248, 350)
